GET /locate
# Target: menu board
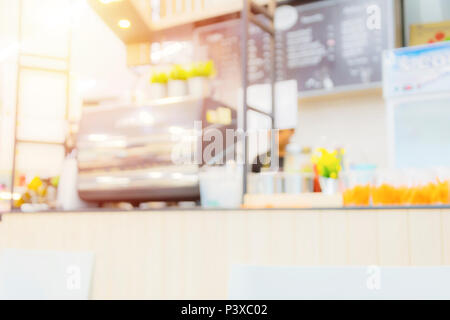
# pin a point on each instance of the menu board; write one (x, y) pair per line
(326, 46)
(220, 42)
(335, 44)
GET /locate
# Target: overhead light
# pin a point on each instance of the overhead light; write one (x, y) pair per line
(124, 23)
(109, 1)
(9, 51)
(86, 85)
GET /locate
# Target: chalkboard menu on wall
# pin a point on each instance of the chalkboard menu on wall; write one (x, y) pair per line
(332, 45)
(221, 42)
(327, 46)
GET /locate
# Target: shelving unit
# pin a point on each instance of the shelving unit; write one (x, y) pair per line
(262, 16)
(55, 69)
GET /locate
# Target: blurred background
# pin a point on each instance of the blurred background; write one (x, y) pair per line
(59, 58)
(124, 105)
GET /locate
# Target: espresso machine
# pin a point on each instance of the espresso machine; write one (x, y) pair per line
(148, 152)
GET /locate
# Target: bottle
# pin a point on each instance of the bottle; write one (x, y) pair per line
(292, 169)
(293, 159)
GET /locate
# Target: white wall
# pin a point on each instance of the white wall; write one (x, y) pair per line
(98, 57)
(98, 62)
(8, 73)
(355, 121)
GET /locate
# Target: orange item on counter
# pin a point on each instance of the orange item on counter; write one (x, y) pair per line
(386, 195)
(358, 196)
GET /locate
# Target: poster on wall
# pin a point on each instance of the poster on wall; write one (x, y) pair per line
(429, 33)
(417, 70)
(416, 82)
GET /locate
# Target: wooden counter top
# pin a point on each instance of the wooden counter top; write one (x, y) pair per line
(435, 209)
(188, 254)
